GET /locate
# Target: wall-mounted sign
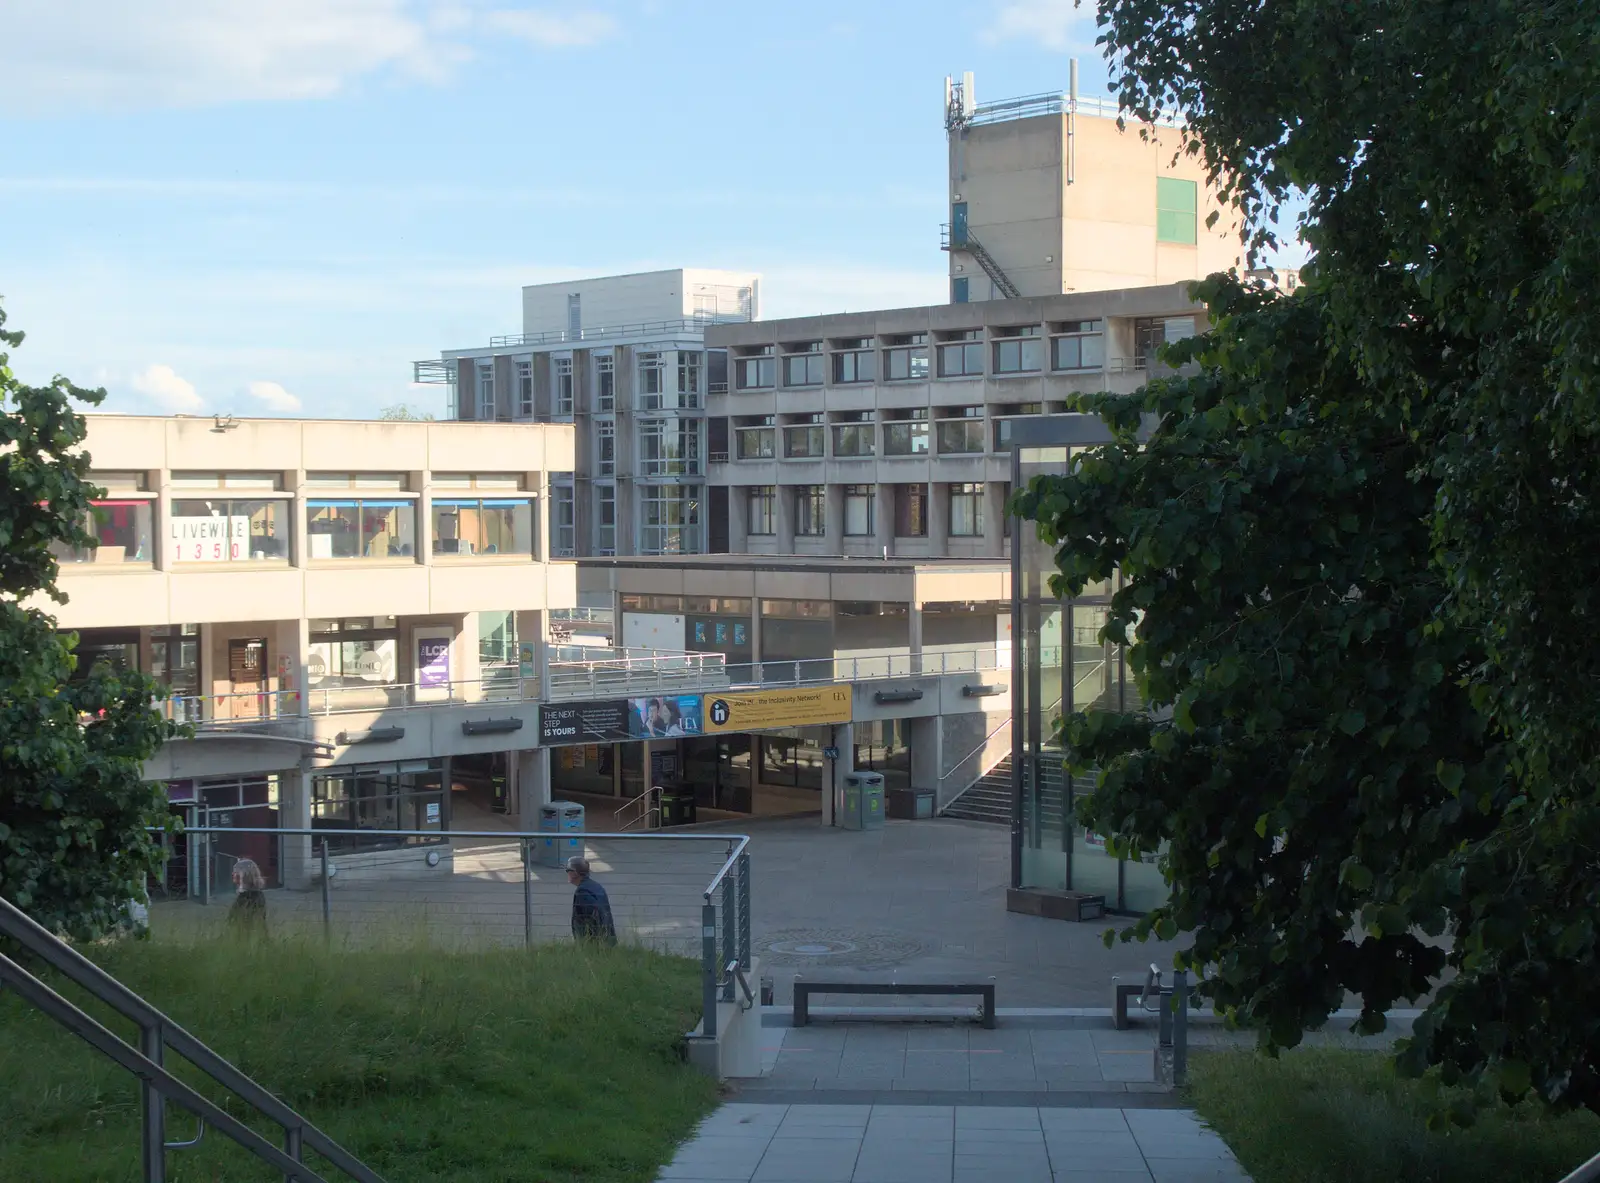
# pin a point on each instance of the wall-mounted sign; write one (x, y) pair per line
(664, 716)
(209, 539)
(761, 710)
(433, 661)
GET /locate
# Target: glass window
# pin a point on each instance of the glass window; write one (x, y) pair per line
(605, 444)
(794, 761)
(1019, 351)
(853, 439)
(605, 382)
(564, 515)
(960, 359)
(561, 367)
(858, 510)
(486, 390)
(811, 510)
(1151, 333)
(1085, 351)
(483, 527)
(906, 437)
(763, 503)
(756, 373)
(226, 531)
(884, 746)
(1176, 210)
(957, 436)
(906, 364)
(605, 519)
(121, 532)
(361, 799)
(669, 519)
(966, 511)
(360, 529)
(669, 447)
(856, 366)
(688, 379)
(805, 440)
(525, 389)
(756, 443)
(802, 369)
(910, 511)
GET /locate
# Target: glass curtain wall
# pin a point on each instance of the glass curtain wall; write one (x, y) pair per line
(1060, 665)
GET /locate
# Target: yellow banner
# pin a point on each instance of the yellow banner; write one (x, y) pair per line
(761, 710)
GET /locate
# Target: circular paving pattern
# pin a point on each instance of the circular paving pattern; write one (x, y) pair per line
(812, 947)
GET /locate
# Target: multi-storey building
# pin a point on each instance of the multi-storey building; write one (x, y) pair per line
(1049, 195)
(623, 358)
(888, 433)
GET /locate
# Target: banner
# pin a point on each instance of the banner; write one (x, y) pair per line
(658, 716)
(762, 710)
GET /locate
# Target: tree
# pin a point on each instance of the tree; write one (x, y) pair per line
(405, 411)
(75, 846)
(1358, 549)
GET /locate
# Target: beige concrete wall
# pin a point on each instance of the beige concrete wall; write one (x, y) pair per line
(1010, 175)
(614, 300)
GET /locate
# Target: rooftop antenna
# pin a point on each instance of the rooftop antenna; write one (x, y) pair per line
(960, 102)
(1072, 120)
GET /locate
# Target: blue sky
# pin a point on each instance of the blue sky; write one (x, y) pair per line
(229, 205)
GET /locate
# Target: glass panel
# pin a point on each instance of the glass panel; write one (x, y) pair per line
(220, 531)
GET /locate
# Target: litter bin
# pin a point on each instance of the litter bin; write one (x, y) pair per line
(678, 809)
(560, 817)
(911, 804)
(863, 801)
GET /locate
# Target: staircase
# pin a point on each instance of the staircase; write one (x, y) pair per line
(989, 797)
(990, 268)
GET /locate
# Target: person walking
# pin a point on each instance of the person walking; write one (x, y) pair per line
(248, 915)
(591, 907)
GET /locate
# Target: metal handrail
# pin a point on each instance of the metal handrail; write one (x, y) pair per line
(695, 324)
(999, 727)
(652, 795)
(157, 1033)
(1586, 1173)
(734, 970)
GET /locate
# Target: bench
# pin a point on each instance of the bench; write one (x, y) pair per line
(805, 987)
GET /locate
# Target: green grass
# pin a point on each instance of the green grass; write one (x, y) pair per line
(1324, 1115)
(554, 1064)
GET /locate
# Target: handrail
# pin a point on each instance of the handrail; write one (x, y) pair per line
(1000, 726)
(733, 857)
(653, 795)
(160, 1032)
(736, 971)
(1585, 1173)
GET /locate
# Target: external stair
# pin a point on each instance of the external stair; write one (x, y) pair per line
(988, 799)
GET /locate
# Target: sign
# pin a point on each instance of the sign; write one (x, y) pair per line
(830, 753)
(211, 539)
(761, 710)
(433, 813)
(616, 720)
(433, 661)
(527, 660)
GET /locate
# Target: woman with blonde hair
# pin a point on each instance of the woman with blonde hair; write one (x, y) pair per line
(248, 915)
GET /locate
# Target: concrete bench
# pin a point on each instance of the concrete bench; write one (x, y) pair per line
(805, 987)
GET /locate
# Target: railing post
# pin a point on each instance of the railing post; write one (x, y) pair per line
(292, 1146)
(730, 929)
(744, 912)
(527, 893)
(327, 895)
(708, 969)
(152, 1108)
(1180, 1027)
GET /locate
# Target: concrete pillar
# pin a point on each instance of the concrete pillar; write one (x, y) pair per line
(532, 767)
(464, 658)
(925, 752)
(299, 865)
(914, 634)
(425, 518)
(994, 515)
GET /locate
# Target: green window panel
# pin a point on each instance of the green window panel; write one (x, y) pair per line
(1176, 206)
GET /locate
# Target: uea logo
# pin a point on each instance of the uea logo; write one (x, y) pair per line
(720, 711)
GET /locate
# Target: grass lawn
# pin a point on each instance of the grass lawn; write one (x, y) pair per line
(552, 1064)
(1325, 1115)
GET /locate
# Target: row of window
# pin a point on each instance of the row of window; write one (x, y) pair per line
(910, 433)
(231, 530)
(669, 519)
(661, 384)
(964, 507)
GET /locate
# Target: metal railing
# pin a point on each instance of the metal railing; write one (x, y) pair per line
(693, 326)
(157, 1035)
(643, 811)
(584, 615)
(1057, 103)
(974, 758)
(469, 889)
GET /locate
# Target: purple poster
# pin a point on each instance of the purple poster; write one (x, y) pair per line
(433, 661)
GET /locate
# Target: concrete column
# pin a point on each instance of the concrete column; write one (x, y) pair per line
(883, 519)
(160, 481)
(297, 511)
(464, 656)
(834, 519)
(994, 514)
(532, 768)
(755, 629)
(938, 520)
(785, 515)
(424, 518)
(299, 863)
(925, 752)
(914, 634)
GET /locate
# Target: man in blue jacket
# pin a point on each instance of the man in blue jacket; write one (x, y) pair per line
(591, 908)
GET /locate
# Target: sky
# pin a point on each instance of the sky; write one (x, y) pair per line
(274, 208)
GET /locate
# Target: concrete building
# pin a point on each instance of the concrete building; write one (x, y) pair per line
(888, 433)
(622, 358)
(1048, 195)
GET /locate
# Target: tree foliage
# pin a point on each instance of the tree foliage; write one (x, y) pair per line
(405, 412)
(1359, 547)
(74, 809)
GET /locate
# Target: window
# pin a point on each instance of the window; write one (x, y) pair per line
(563, 514)
(652, 380)
(347, 802)
(1083, 348)
(121, 532)
(716, 371)
(223, 531)
(605, 382)
(1002, 427)
(908, 360)
(966, 511)
(669, 519)
(962, 356)
(561, 369)
(802, 366)
(758, 371)
(792, 761)
(1152, 333)
(811, 510)
(855, 437)
(763, 503)
(688, 379)
(486, 390)
(960, 289)
(669, 447)
(360, 529)
(910, 511)
(858, 511)
(1018, 351)
(525, 388)
(961, 433)
(908, 435)
(756, 442)
(575, 315)
(804, 440)
(359, 652)
(1176, 204)
(858, 363)
(605, 519)
(473, 526)
(605, 445)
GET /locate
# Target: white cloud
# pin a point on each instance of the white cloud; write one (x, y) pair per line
(1054, 24)
(275, 396)
(163, 385)
(73, 54)
(553, 30)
